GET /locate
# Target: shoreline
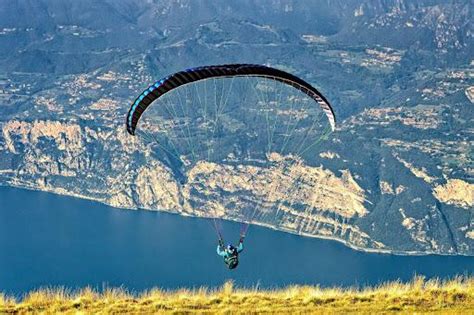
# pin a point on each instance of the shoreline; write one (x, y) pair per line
(323, 237)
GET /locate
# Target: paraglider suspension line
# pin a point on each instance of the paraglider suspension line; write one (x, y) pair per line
(216, 228)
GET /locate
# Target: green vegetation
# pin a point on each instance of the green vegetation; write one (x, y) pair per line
(451, 296)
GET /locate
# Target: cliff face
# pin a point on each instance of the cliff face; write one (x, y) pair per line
(396, 175)
(395, 187)
(112, 167)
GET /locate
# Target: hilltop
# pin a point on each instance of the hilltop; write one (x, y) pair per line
(452, 297)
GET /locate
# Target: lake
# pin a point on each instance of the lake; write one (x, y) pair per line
(53, 240)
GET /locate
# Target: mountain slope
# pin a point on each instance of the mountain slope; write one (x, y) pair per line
(397, 175)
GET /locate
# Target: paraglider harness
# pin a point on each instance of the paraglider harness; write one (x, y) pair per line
(231, 258)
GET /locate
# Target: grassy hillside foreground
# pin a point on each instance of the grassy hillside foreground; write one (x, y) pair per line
(454, 296)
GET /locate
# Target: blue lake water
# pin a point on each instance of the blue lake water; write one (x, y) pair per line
(52, 240)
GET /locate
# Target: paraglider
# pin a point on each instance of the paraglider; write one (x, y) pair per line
(220, 128)
(230, 253)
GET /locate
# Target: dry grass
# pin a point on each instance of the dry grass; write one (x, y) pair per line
(454, 297)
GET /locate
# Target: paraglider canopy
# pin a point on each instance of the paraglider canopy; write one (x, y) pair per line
(187, 76)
